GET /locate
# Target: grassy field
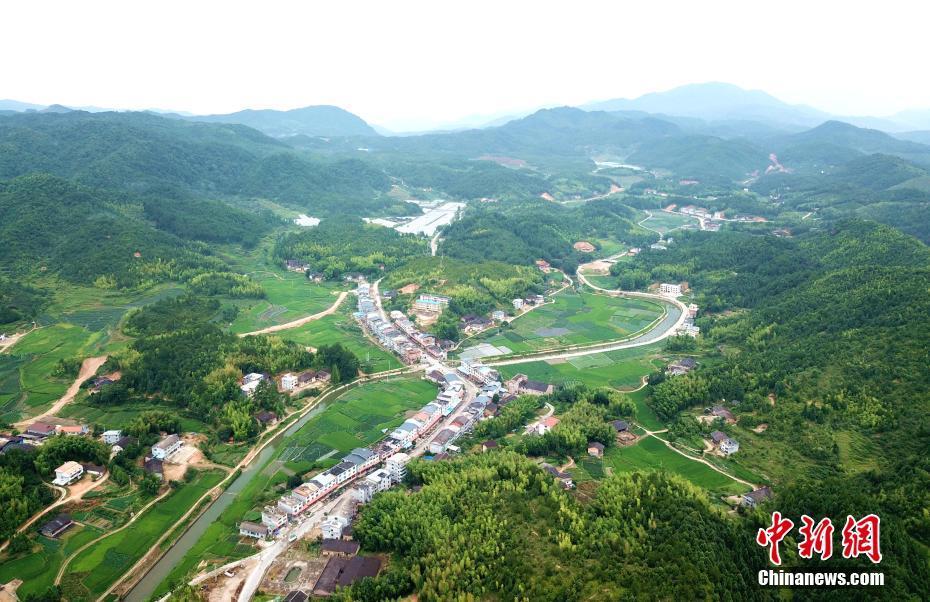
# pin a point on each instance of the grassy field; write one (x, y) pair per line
(650, 453)
(341, 327)
(117, 417)
(573, 319)
(290, 296)
(666, 222)
(608, 282)
(94, 569)
(354, 419)
(620, 369)
(38, 568)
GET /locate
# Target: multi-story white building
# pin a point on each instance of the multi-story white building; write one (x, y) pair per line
(518, 304)
(332, 527)
(670, 289)
(379, 480)
(68, 473)
(289, 382)
(112, 437)
(166, 447)
(430, 302)
(396, 466)
(273, 519)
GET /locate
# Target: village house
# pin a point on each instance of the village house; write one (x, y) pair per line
(166, 447)
(518, 304)
(112, 437)
(288, 382)
(154, 467)
(250, 529)
(339, 547)
(40, 429)
(595, 449)
(266, 418)
(431, 303)
(564, 478)
(724, 443)
(756, 496)
(57, 526)
(545, 425)
(489, 445)
(343, 571)
(68, 473)
(543, 265)
(722, 412)
(670, 289)
(620, 426)
(93, 470)
(273, 519)
(682, 366)
(78, 430)
(295, 265)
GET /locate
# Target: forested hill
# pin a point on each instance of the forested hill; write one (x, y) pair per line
(321, 120)
(825, 341)
(141, 152)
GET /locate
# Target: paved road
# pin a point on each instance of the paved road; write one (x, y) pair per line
(662, 330)
(300, 321)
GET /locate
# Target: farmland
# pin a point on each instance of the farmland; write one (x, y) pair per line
(664, 222)
(620, 369)
(95, 568)
(289, 296)
(341, 327)
(574, 319)
(354, 419)
(651, 454)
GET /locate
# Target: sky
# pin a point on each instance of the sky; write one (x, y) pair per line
(413, 65)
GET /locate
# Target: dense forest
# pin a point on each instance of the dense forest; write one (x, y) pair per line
(341, 246)
(523, 232)
(497, 526)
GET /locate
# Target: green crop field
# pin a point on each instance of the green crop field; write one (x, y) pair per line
(117, 417)
(574, 319)
(622, 369)
(354, 419)
(666, 222)
(38, 568)
(651, 454)
(26, 382)
(603, 281)
(290, 296)
(342, 328)
(94, 569)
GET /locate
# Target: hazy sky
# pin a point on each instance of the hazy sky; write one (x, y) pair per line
(414, 64)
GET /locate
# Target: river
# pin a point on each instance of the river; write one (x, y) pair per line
(146, 586)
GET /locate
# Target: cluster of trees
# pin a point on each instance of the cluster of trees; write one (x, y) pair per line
(339, 246)
(473, 287)
(226, 283)
(522, 232)
(497, 526)
(19, 302)
(183, 358)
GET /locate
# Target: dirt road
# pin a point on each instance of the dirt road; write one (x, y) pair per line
(88, 368)
(301, 321)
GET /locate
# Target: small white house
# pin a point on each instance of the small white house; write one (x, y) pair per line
(166, 447)
(112, 437)
(518, 304)
(729, 446)
(332, 527)
(289, 382)
(250, 529)
(68, 473)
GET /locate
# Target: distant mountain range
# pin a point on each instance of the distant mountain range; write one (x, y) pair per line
(321, 120)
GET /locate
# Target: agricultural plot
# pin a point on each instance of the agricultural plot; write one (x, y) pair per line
(94, 569)
(38, 568)
(651, 454)
(27, 384)
(603, 281)
(355, 419)
(664, 222)
(289, 296)
(358, 418)
(342, 328)
(575, 319)
(117, 417)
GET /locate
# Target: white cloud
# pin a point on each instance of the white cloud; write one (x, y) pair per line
(401, 62)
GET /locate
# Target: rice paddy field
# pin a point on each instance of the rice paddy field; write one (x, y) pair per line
(95, 568)
(664, 222)
(574, 319)
(341, 327)
(622, 369)
(356, 418)
(289, 296)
